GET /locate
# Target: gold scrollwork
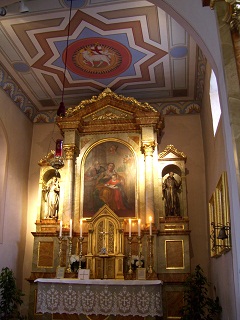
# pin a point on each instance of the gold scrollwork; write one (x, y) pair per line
(70, 151)
(148, 147)
(171, 149)
(108, 92)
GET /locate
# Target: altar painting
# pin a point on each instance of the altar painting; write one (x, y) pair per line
(109, 179)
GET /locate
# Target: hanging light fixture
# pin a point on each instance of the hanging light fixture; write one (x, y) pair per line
(57, 162)
(62, 109)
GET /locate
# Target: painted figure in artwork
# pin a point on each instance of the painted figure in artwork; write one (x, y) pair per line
(109, 179)
(52, 198)
(94, 171)
(110, 190)
(170, 189)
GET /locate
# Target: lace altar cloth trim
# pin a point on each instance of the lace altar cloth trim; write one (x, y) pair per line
(142, 299)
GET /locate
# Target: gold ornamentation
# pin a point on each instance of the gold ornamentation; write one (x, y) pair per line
(47, 159)
(148, 147)
(171, 149)
(108, 93)
(70, 151)
(232, 14)
(109, 116)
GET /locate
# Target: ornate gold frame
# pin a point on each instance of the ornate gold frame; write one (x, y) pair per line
(219, 218)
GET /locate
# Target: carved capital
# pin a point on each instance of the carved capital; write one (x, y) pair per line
(148, 147)
(71, 151)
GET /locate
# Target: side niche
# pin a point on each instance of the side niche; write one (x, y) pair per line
(173, 242)
(50, 191)
(172, 182)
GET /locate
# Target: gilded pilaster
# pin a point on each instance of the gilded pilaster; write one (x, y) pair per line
(70, 151)
(148, 148)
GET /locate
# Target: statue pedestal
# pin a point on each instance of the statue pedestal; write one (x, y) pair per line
(174, 261)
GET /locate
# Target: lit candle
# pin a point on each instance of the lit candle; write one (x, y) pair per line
(130, 228)
(70, 230)
(60, 232)
(80, 228)
(139, 227)
(150, 226)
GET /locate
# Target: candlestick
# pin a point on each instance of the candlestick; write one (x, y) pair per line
(60, 231)
(150, 269)
(70, 230)
(130, 271)
(150, 226)
(80, 228)
(80, 251)
(130, 228)
(60, 238)
(69, 270)
(139, 227)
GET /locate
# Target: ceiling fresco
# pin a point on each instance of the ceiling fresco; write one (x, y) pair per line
(132, 47)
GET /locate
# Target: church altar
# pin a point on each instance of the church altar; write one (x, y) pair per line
(106, 199)
(105, 297)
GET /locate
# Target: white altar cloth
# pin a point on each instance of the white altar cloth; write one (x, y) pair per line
(116, 297)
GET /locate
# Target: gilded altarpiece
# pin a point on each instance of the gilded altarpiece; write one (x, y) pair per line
(110, 208)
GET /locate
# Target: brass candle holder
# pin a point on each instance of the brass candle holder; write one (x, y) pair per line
(80, 251)
(69, 270)
(60, 239)
(150, 269)
(139, 251)
(130, 271)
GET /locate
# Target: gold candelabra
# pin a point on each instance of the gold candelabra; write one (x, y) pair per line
(130, 271)
(139, 251)
(150, 269)
(80, 251)
(60, 250)
(69, 270)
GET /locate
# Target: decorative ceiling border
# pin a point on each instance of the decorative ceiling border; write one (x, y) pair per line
(13, 90)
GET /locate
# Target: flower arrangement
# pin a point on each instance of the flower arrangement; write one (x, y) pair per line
(74, 261)
(136, 262)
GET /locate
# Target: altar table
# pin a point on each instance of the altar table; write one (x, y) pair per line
(105, 297)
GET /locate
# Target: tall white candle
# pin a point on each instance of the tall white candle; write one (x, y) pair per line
(130, 228)
(150, 226)
(60, 231)
(70, 230)
(80, 228)
(139, 227)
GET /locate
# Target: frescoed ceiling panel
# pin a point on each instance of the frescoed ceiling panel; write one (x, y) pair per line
(132, 47)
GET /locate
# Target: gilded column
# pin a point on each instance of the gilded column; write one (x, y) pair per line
(70, 151)
(148, 148)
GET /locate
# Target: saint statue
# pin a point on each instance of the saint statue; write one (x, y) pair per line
(52, 198)
(170, 189)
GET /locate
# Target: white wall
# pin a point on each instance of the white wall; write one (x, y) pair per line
(18, 134)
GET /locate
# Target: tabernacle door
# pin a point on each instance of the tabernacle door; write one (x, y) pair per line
(105, 243)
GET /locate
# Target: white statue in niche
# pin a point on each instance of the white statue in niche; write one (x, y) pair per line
(52, 192)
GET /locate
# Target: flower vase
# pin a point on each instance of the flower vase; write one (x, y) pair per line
(74, 266)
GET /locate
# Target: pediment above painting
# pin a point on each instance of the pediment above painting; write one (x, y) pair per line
(170, 152)
(111, 112)
(108, 113)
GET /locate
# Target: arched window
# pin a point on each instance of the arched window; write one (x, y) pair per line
(214, 100)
